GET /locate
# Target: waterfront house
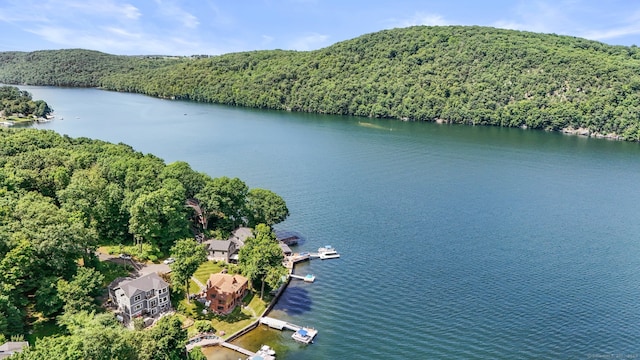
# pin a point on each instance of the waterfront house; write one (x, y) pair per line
(146, 295)
(220, 250)
(224, 292)
(227, 250)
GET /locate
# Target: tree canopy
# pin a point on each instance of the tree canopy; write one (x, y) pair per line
(101, 337)
(260, 259)
(188, 255)
(454, 74)
(14, 101)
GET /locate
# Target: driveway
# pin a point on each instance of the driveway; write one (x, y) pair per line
(140, 268)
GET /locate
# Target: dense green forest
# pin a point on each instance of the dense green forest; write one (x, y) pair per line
(61, 197)
(454, 74)
(16, 102)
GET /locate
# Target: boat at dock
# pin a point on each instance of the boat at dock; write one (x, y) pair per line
(328, 252)
(265, 353)
(301, 334)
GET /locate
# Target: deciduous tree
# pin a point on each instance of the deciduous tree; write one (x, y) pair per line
(188, 255)
(265, 207)
(261, 257)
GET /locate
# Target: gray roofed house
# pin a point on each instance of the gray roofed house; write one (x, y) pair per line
(241, 234)
(146, 295)
(219, 249)
(227, 250)
(12, 347)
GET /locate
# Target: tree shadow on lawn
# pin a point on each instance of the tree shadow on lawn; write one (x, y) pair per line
(195, 311)
(235, 316)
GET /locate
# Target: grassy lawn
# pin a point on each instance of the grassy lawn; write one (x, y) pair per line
(231, 323)
(207, 268)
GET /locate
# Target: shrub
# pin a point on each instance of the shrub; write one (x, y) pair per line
(204, 326)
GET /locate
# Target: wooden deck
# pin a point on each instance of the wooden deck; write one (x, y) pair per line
(238, 349)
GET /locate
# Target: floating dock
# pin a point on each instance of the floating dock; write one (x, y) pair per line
(300, 333)
(308, 278)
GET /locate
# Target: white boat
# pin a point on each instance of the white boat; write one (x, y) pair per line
(267, 350)
(265, 353)
(328, 252)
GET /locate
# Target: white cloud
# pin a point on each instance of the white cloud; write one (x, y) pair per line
(626, 26)
(101, 8)
(538, 16)
(308, 42)
(171, 10)
(612, 33)
(123, 32)
(420, 18)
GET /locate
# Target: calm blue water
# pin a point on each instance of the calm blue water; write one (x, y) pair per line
(457, 242)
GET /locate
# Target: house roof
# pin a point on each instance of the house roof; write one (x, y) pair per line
(285, 248)
(226, 283)
(144, 283)
(240, 235)
(218, 245)
(9, 348)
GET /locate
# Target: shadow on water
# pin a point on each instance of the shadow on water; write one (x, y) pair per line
(294, 301)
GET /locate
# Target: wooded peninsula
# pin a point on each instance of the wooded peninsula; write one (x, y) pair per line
(450, 74)
(62, 198)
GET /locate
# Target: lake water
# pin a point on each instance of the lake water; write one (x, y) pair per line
(457, 242)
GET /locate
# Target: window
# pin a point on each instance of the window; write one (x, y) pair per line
(163, 300)
(213, 296)
(137, 307)
(137, 298)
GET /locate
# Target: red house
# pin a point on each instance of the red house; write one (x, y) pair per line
(225, 291)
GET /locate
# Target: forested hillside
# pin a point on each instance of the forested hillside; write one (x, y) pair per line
(454, 74)
(73, 67)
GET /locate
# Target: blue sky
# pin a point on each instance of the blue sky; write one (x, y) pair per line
(186, 27)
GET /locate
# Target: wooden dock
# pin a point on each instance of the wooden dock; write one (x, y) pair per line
(238, 349)
(203, 340)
